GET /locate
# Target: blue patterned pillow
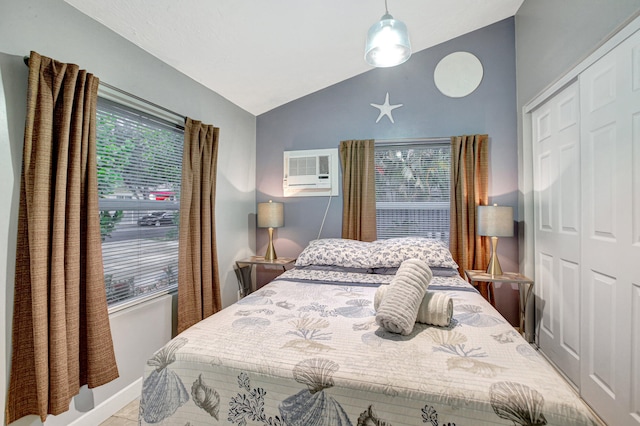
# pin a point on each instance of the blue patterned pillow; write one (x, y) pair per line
(392, 252)
(336, 252)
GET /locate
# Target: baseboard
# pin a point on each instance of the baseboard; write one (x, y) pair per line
(110, 406)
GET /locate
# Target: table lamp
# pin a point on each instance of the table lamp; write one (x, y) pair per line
(270, 215)
(495, 221)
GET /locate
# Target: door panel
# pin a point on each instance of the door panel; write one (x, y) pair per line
(544, 290)
(610, 105)
(570, 285)
(600, 358)
(557, 240)
(570, 182)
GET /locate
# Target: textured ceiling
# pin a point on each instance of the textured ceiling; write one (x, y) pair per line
(262, 54)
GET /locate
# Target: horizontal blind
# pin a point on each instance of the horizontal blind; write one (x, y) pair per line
(139, 172)
(413, 189)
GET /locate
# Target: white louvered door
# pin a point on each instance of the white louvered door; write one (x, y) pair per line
(610, 146)
(556, 151)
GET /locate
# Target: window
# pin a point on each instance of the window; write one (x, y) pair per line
(412, 189)
(139, 173)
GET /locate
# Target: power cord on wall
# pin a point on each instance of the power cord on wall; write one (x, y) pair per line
(325, 216)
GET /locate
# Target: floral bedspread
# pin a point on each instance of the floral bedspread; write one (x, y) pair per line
(305, 350)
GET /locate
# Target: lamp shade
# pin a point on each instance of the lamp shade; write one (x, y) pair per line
(270, 215)
(495, 221)
(387, 43)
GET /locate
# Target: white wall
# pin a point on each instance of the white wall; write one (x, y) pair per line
(55, 29)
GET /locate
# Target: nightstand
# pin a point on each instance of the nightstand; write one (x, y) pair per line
(245, 267)
(484, 283)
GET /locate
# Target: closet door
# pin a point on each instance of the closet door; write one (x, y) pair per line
(610, 146)
(556, 151)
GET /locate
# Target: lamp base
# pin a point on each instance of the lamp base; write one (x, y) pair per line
(494, 264)
(270, 255)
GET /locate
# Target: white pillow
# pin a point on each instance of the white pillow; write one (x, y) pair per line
(336, 252)
(392, 252)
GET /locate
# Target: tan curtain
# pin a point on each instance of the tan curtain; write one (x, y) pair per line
(469, 188)
(358, 189)
(198, 282)
(61, 335)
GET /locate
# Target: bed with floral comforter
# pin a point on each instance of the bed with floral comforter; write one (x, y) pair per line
(306, 350)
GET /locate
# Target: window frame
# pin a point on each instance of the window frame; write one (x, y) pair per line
(129, 101)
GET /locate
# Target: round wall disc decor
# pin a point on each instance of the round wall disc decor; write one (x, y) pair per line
(458, 74)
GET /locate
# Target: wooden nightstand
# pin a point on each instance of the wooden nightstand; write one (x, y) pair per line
(484, 283)
(245, 267)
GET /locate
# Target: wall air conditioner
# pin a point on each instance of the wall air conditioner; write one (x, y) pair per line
(310, 173)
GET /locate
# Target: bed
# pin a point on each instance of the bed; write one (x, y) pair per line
(306, 350)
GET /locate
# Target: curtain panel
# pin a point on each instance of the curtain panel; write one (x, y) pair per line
(469, 189)
(358, 189)
(61, 337)
(198, 281)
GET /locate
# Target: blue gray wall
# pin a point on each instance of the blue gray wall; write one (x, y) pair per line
(343, 111)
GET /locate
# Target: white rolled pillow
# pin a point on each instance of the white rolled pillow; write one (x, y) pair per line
(436, 307)
(399, 307)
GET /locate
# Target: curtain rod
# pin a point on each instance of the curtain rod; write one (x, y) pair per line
(149, 103)
(123, 92)
(409, 141)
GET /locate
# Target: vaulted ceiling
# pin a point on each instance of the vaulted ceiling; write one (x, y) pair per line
(261, 54)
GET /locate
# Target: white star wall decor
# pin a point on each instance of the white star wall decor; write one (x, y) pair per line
(385, 109)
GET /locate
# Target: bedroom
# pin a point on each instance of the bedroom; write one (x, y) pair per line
(523, 39)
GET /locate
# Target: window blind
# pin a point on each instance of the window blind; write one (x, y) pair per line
(413, 189)
(139, 171)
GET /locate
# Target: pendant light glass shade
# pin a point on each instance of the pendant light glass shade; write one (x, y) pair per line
(388, 43)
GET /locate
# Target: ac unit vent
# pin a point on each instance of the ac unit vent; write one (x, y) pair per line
(323, 165)
(302, 166)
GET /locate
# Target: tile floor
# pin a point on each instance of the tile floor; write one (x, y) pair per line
(128, 416)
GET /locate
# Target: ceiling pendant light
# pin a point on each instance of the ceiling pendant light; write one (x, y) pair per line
(388, 42)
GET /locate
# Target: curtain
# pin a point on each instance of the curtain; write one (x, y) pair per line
(198, 282)
(469, 188)
(61, 337)
(358, 190)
